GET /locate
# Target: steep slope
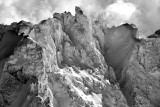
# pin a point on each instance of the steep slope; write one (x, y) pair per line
(79, 63)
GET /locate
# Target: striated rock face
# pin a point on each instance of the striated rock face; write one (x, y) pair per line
(69, 61)
(143, 75)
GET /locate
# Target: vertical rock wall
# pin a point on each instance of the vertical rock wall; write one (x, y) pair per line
(67, 55)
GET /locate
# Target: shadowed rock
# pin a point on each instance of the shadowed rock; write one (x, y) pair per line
(23, 94)
(8, 43)
(155, 35)
(119, 43)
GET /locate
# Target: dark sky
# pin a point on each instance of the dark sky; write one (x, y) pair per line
(144, 13)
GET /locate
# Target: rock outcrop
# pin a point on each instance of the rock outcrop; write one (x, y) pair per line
(74, 61)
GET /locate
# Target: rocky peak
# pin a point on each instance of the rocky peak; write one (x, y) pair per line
(155, 35)
(62, 62)
(78, 10)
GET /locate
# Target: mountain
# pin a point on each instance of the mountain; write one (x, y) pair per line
(71, 61)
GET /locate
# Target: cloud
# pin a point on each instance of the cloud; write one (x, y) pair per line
(119, 13)
(8, 12)
(28, 10)
(148, 17)
(67, 5)
(145, 14)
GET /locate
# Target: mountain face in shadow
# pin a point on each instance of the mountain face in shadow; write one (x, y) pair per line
(119, 45)
(8, 43)
(78, 63)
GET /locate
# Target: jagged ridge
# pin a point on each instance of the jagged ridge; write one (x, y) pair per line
(67, 55)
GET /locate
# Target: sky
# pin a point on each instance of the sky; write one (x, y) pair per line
(145, 14)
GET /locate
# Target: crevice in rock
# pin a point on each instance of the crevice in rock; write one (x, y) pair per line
(118, 58)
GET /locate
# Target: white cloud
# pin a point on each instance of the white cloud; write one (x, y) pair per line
(8, 13)
(119, 13)
(148, 18)
(67, 5)
(145, 14)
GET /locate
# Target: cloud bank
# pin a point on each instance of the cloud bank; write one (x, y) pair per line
(145, 14)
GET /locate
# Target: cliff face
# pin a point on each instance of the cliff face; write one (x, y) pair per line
(72, 60)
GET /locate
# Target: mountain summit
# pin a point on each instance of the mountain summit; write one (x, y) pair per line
(70, 61)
